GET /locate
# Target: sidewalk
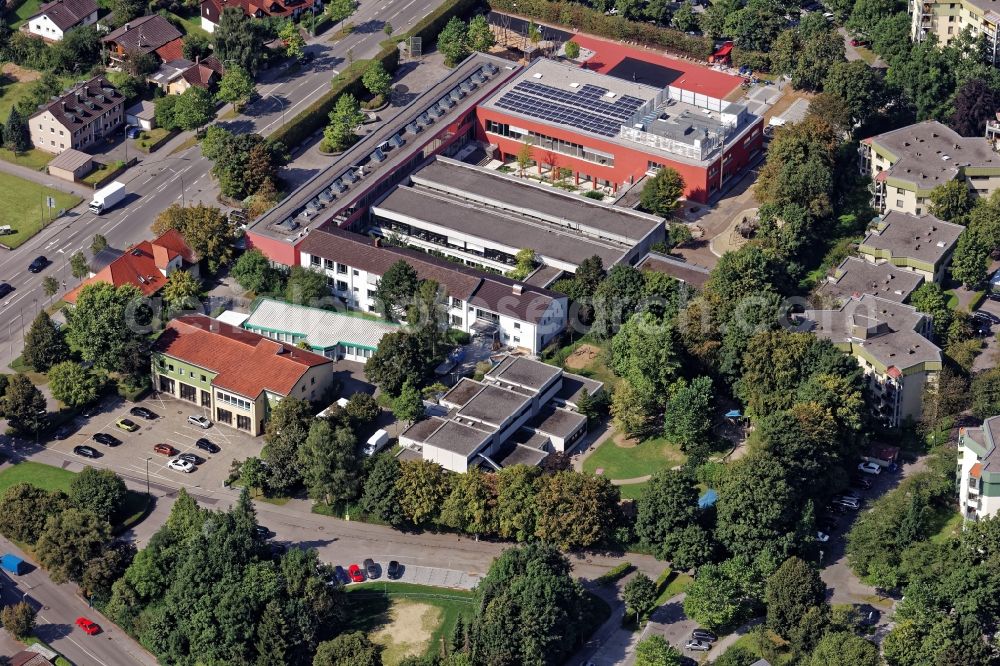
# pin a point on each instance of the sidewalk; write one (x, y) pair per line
(46, 180)
(720, 648)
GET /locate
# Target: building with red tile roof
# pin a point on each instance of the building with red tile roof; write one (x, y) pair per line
(211, 10)
(147, 266)
(235, 375)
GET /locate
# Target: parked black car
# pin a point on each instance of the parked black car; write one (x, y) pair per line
(341, 575)
(192, 458)
(371, 568)
(86, 452)
(206, 445)
(142, 412)
(704, 635)
(106, 439)
(261, 531)
(394, 570)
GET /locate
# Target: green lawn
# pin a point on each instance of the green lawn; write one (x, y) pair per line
(12, 93)
(777, 656)
(950, 526)
(27, 9)
(628, 463)
(632, 491)
(369, 606)
(98, 173)
(190, 25)
(24, 207)
(33, 159)
(866, 54)
(37, 474)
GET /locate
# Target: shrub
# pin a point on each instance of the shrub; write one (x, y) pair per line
(616, 574)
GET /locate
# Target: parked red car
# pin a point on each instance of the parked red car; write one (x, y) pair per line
(165, 449)
(89, 628)
(356, 574)
(859, 42)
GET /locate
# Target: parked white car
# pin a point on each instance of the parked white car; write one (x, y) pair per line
(200, 421)
(179, 465)
(822, 537)
(869, 468)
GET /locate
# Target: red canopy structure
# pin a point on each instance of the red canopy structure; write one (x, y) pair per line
(722, 54)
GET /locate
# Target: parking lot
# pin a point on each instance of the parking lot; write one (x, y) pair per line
(170, 427)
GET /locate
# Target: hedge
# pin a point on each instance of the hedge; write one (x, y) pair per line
(585, 19)
(619, 572)
(315, 116)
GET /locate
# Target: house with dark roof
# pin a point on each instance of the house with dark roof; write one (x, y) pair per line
(147, 266)
(233, 374)
(520, 412)
(146, 34)
(513, 313)
(55, 18)
(80, 117)
(211, 10)
(175, 76)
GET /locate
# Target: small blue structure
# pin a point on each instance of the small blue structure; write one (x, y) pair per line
(734, 414)
(13, 564)
(708, 499)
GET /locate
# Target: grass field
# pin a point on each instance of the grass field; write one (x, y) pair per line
(951, 526)
(33, 159)
(37, 474)
(27, 9)
(12, 93)
(191, 25)
(23, 207)
(619, 462)
(407, 619)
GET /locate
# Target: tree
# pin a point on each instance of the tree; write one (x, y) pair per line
(396, 289)
(422, 487)
(240, 39)
(516, 508)
(376, 79)
(306, 287)
(639, 594)
(380, 498)
(253, 272)
(165, 109)
(243, 163)
(800, 167)
(480, 36)
(15, 133)
(644, 351)
(616, 299)
(572, 50)
(970, 261)
(253, 473)
(924, 77)
(713, 20)
(866, 15)
(44, 345)
(196, 46)
(687, 420)
(842, 647)
(790, 592)
(50, 285)
(452, 42)
(755, 508)
(100, 491)
(292, 39)
(287, 428)
(236, 87)
(656, 651)
(976, 102)
(344, 119)
(362, 409)
(524, 156)
(471, 506)
(684, 18)
(930, 299)
(98, 244)
(630, 409)
(531, 581)
(24, 508)
(74, 385)
(668, 503)
(661, 193)
(400, 357)
(105, 323)
(69, 540)
(78, 50)
(576, 510)
(18, 619)
(756, 25)
(101, 572)
(181, 291)
(340, 9)
(205, 230)
(330, 466)
(408, 406)
(951, 201)
(79, 266)
(524, 262)
(24, 405)
(194, 108)
(714, 599)
(860, 87)
(125, 11)
(349, 649)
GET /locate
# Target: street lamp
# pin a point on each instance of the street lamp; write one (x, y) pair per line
(282, 104)
(148, 458)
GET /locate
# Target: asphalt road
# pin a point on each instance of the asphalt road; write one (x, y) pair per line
(58, 607)
(162, 179)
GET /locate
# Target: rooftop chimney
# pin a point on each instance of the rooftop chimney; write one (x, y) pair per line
(517, 289)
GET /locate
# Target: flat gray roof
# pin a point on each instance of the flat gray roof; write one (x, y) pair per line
(573, 386)
(924, 238)
(691, 274)
(493, 405)
(462, 392)
(856, 276)
(520, 455)
(518, 195)
(557, 422)
(456, 437)
(443, 212)
(523, 372)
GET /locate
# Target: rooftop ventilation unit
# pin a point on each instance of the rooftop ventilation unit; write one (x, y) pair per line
(455, 95)
(446, 102)
(413, 128)
(396, 141)
(338, 186)
(434, 112)
(465, 87)
(350, 177)
(489, 69)
(478, 78)
(326, 196)
(377, 155)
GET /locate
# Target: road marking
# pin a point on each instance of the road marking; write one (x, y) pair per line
(67, 637)
(53, 242)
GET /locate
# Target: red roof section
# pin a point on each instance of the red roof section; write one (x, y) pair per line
(976, 470)
(172, 50)
(246, 363)
(142, 266)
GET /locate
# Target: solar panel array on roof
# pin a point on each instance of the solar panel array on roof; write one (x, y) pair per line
(588, 108)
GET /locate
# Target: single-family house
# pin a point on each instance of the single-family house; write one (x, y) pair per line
(54, 19)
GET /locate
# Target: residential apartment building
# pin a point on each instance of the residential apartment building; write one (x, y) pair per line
(979, 470)
(889, 341)
(921, 244)
(946, 20)
(483, 218)
(79, 118)
(234, 376)
(513, 313)
(336, 335)
(520, 412)
(54, 19)
(907, 163)
(211, 10)
(854, 277)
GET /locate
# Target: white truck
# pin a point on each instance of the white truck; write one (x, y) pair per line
(376, 442)
(106, 197)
